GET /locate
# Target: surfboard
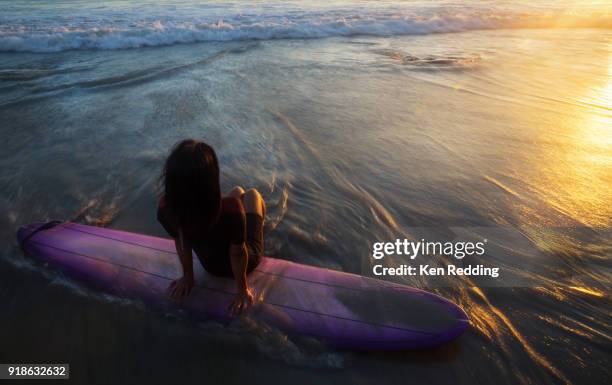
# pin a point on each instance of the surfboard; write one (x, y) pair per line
(341, 309)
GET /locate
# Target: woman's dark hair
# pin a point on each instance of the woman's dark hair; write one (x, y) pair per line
(191, 183)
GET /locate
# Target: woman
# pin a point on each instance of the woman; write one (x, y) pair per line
(226, 233)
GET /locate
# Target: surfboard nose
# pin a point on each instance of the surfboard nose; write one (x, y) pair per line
(461, 314)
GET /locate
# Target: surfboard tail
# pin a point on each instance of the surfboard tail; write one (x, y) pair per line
(27, 232)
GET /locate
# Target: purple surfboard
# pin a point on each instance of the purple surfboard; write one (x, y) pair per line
(344, 310)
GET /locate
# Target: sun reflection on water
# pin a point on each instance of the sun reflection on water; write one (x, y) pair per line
(577, 171)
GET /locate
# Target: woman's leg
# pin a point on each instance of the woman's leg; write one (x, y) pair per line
(255, 208)
(253, 202)
(251, 199)
(236, 192)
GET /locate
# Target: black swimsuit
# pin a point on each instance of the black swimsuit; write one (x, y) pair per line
(234, 226)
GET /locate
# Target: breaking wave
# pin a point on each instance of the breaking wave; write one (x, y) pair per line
(54, 30)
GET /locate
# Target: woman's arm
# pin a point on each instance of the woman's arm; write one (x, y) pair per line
(182, 287)
(239, 258)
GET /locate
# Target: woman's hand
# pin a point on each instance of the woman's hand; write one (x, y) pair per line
(242, 301)
(181, 288)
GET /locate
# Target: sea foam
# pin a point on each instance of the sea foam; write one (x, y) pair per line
(60, 29)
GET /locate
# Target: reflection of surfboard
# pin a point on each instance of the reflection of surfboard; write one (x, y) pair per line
(345, 310)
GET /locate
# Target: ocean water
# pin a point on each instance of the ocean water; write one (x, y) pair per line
(359, 122)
